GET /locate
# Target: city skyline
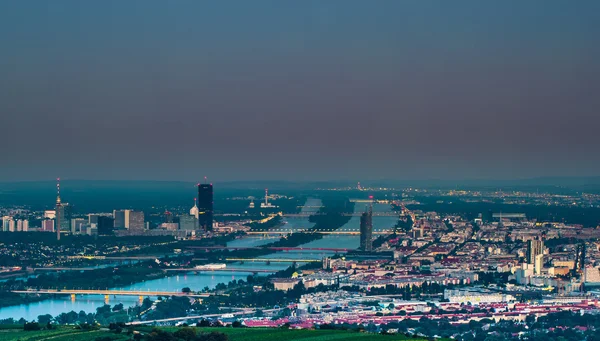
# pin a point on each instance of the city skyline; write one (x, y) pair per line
(310, 170)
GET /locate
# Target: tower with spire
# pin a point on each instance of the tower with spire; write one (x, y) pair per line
(58, 209)
(194, 210)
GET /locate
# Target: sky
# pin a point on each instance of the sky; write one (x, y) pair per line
(299, 90)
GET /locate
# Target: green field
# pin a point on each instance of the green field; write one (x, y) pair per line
(266, 334)
(234, 334)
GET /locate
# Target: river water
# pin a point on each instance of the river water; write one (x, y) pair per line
(341, 241)
(197, 281)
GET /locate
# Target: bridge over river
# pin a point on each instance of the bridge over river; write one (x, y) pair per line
(108, 292)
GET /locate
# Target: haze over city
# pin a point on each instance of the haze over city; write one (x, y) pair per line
(299, 91)
(308, 170)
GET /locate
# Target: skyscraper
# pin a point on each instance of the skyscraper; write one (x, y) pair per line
(205, 206)
(188, 222)
(5, 223)
(48, 225)
(366, 230)
(134, 220)
(59, 211)
(119, 217)
(105, 225)
(77, 225)
(534, 248)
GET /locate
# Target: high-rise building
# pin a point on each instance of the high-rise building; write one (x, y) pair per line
(67, 213)
(105, 225)
(534, 248)
(25, 225)
(205, 206)
(5, 223)
(77, 226)
(168, 217)
(188, 223)
(538, 264)
(366, 230)
(194, 210)
(19, 225)
(11, 226)
(48, 225)
(134, 220)
(119, 216)
(93, 218)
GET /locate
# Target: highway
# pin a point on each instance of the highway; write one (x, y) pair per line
(199, 317)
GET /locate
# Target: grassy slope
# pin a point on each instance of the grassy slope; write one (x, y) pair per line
(237, 334)
(266, 334)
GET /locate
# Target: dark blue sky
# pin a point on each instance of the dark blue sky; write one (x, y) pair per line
(304, 90)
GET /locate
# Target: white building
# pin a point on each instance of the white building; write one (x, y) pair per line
(592, 275)
(539, 262)
(475, 296)
(5, 223)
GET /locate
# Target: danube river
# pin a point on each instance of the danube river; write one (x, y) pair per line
(198, 281)
(195, 281)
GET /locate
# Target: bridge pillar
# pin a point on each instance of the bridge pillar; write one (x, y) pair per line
(106, 298)
(141, 298)
(73, 297)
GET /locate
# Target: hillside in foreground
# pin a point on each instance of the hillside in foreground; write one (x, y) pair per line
(66, 333)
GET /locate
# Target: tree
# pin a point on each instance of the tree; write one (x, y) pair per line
(44, 319)
(236, 324)
(105, 309)
(147, 303)
(187, 334)
(159, 335)
(118, 307)
(186, 290)
(31, 326)
(203, 323)
(213, 336)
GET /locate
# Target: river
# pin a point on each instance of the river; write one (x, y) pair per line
(342, 241)
(195, 281)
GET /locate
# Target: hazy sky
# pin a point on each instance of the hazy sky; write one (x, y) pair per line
(299, 90)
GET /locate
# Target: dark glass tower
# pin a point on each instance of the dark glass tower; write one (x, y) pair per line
(105, 225)
(205, 206)
(366, 230)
